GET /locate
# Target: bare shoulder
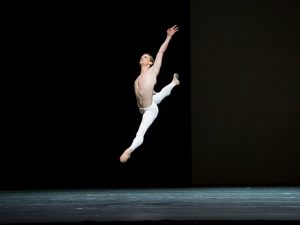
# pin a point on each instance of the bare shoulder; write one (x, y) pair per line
(153, 72)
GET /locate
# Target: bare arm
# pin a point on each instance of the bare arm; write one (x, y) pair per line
(159, 56)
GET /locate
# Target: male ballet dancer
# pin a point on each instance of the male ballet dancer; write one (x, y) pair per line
(147, 98)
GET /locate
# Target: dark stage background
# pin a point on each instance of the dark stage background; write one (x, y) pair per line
(234, 120)
(245, 92)
(92, 53)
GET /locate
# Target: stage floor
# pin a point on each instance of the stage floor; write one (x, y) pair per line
(168, 205)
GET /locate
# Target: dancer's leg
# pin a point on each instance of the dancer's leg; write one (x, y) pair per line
(166, 91)
(147, 119)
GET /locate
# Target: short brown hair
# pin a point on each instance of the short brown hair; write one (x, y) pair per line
(151, 57)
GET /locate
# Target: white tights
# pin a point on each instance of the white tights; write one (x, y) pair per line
(149, 115)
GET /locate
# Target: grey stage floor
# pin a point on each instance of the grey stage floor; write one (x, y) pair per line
(130, 206)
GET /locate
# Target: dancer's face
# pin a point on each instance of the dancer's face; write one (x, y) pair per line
(146, 59)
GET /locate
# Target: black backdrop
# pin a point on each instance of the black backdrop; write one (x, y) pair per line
(245, 92)
(234, 120)
(77, 131)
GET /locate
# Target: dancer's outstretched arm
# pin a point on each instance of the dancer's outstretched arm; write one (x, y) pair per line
(159, 56)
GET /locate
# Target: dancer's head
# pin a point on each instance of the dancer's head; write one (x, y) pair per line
(146, 59)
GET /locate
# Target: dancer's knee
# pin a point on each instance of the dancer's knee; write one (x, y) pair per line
(166, 91)
(157, 98)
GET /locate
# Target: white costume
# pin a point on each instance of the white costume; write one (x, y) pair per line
(149, 115)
